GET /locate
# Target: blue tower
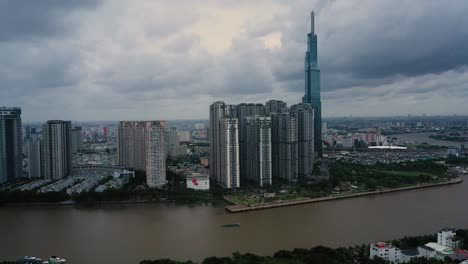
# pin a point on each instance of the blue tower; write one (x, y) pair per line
(312, 86)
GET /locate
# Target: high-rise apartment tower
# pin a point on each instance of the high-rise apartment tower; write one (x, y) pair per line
(11, 144)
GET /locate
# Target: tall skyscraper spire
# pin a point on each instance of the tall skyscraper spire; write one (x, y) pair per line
(312, 85)
(312, 29)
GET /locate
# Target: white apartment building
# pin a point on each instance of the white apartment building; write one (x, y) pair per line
(386, 251)
(229, 150)
(155, 153)
(258, 150)
(447, 237)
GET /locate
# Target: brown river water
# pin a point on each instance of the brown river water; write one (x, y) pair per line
(125, 234)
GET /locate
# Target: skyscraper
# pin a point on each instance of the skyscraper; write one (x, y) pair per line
(274, 109)
(312, 85)
(141, 146)
(35, 161)
(229, 150)
(303, 160)
(77, 139)
(57, 150)
(131, 150)
(241, 112)
(258, 150)
(224, 145)
(155, 153)
(295, 143)
(11, 144)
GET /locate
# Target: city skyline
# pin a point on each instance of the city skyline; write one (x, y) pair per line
(104, 68)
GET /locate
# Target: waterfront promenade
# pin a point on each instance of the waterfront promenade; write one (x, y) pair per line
(237, 207)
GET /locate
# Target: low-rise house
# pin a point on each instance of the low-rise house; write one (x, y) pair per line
(426, 252)
(447, 237)
(197, 181)
(441, 251)
(408, 254)
(386, 251)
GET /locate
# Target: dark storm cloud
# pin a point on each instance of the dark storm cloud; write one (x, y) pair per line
(25, 19)
(374, 42)
(135, 59)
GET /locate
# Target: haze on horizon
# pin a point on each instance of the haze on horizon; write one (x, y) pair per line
(117, 59)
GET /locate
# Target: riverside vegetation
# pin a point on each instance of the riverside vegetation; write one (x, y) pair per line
(345, 178)
(324, 255)
(348, 178)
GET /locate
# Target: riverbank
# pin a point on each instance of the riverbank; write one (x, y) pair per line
(237, 208)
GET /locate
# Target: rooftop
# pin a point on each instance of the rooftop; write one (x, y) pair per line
(410, 252)
(381, 245)
(427, 248)
(439, 248)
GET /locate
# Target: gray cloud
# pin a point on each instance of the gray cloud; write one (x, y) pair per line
(29, 19)
(117, 59)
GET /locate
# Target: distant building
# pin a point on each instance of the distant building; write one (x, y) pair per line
(275, 107)
(126, 175)
(27, 132)
(105, 131)
(131, 150)
(11, 144)
(35, 157)
(77, 139)
(386, 251)
(184, 135)
(173, 146)
(199, 126)
(204, 161)
(197, 181)
(57, 149)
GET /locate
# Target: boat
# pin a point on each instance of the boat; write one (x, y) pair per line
(231, 225)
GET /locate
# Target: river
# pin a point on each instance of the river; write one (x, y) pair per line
(424, 138)
(126, 234)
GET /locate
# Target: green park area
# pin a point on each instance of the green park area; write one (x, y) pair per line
(425, 146)
(348, 178)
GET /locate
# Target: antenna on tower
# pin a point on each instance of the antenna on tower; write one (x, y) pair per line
(312, 22)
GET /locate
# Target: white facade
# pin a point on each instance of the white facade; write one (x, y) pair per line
(197, 181)
(386, 251)
(258, 150)
(441, 251)
(426, 252)
(229, 149)
(446, 238)
(155, 153)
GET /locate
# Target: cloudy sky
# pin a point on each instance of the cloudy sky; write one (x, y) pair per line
(120, 59)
